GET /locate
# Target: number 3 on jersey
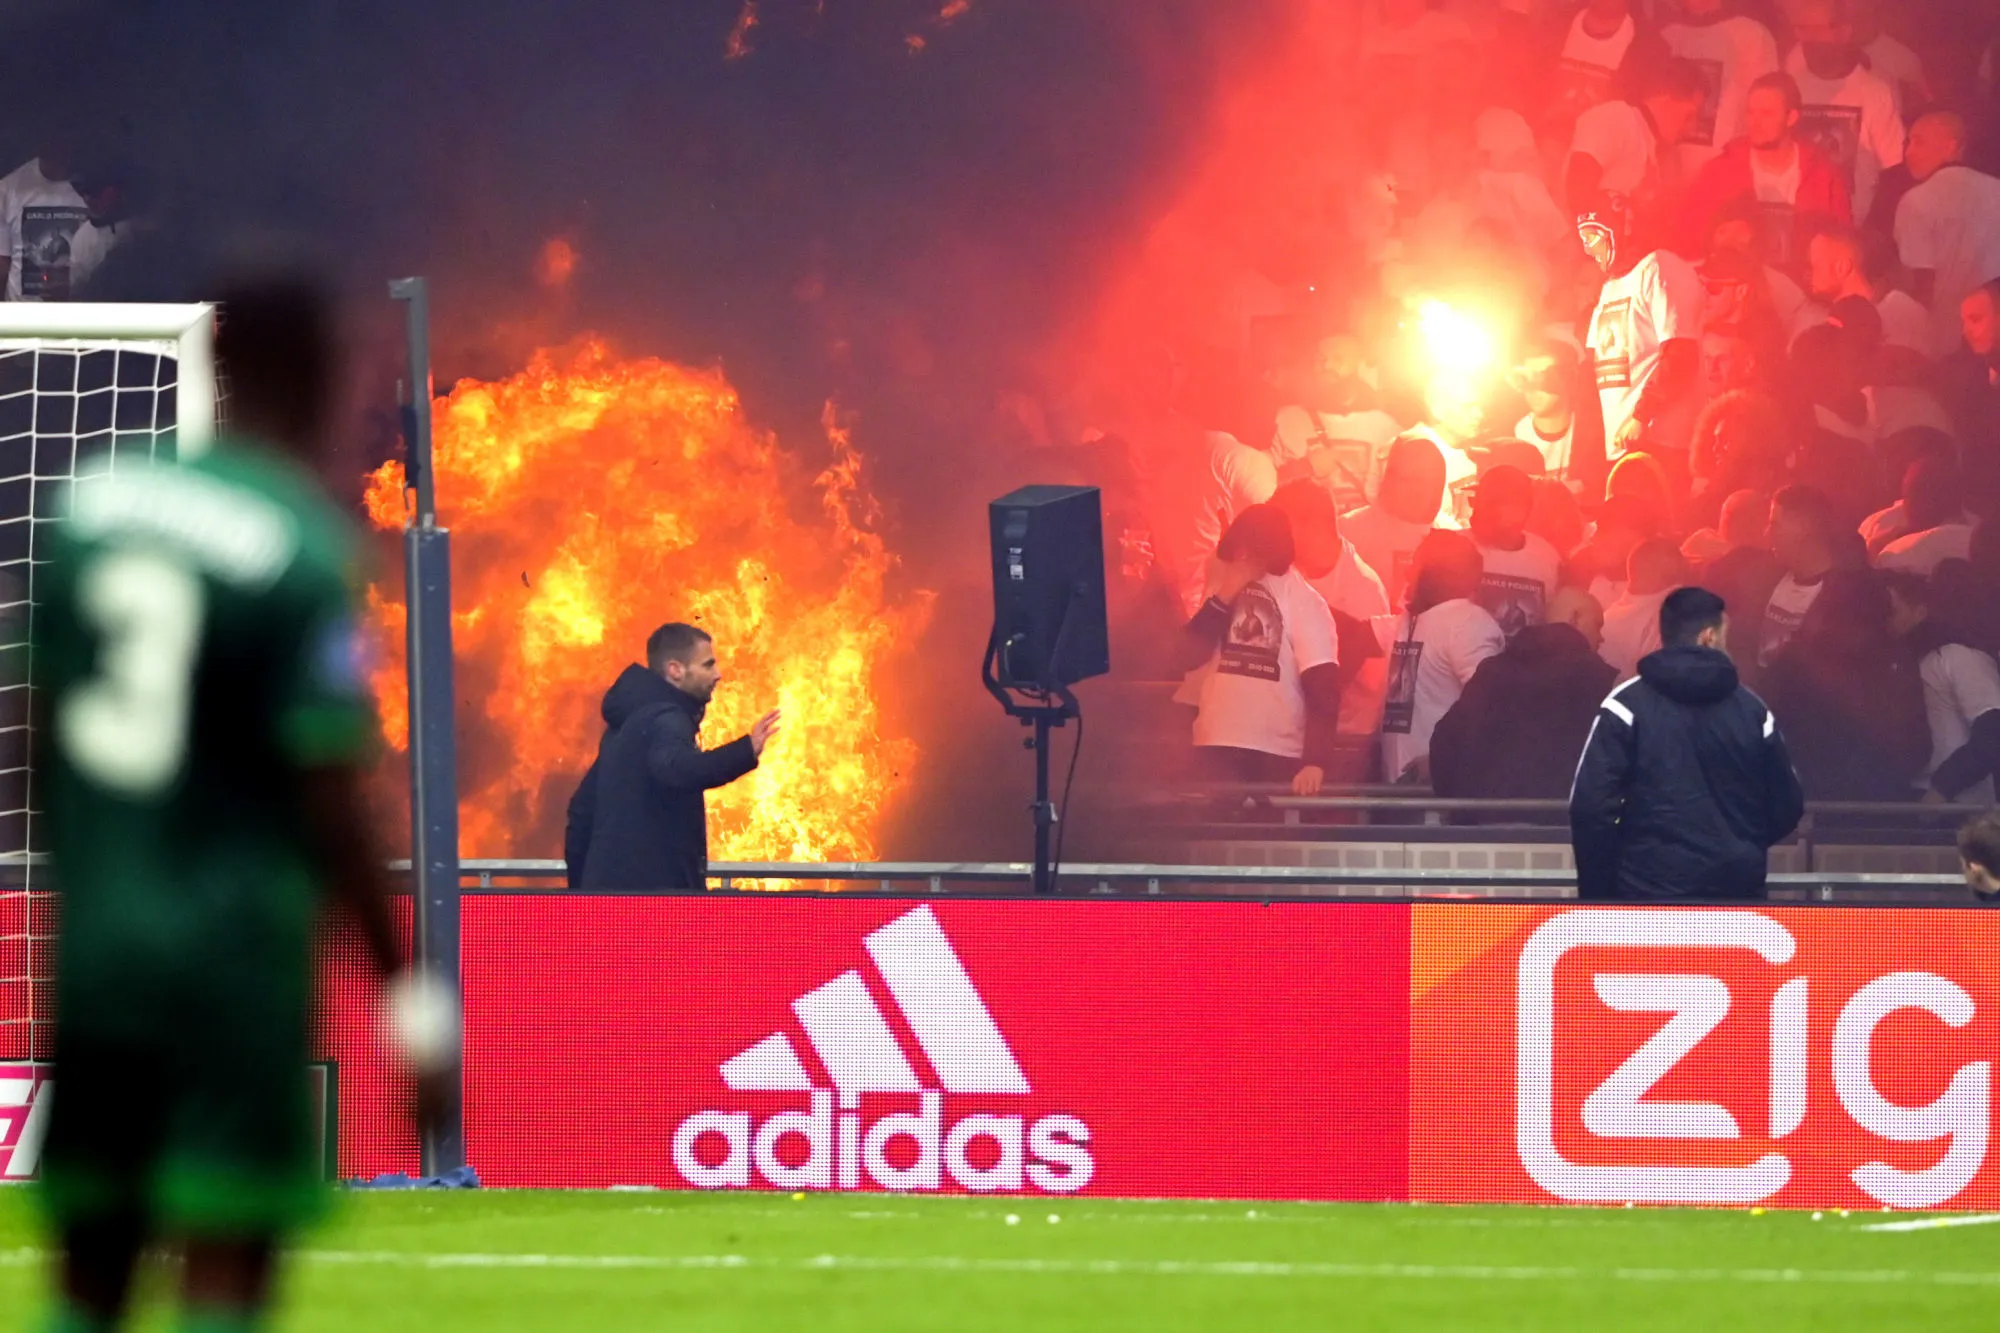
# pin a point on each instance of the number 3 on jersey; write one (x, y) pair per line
(126, 727)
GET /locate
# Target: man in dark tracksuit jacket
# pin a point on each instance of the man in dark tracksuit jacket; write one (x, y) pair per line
(639, 819)
(1685, 783)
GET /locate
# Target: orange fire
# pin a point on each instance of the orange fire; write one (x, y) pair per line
(737, 45)
(592, 498)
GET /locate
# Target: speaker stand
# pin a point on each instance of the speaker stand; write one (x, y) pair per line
(1045, 720)
(1044, 707)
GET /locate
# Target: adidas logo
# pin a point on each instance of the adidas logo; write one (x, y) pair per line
(850, 1038)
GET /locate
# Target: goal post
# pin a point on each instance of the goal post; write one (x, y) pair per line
(188, 330)
(83, 388)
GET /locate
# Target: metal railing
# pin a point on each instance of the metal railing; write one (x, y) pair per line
(1376, 798)
(1118, 879)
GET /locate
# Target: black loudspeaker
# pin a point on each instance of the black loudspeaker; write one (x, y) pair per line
(1048, 587)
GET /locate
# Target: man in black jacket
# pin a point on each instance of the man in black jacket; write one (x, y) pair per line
(1519, 727)
(639, 819)
(1685, 782)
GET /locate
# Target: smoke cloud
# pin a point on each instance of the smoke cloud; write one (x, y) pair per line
(939, 214)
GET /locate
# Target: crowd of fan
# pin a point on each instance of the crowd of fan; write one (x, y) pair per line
(1748, 286)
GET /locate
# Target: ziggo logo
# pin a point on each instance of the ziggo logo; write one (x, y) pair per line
(1698, 1003)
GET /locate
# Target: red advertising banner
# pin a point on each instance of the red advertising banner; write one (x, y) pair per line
(1150, 1049)
(1793, 1057)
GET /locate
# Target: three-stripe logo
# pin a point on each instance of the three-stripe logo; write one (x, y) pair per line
(861, 1055)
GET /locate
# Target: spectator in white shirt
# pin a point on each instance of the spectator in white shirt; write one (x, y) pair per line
(1936, 526)
(1948, 226)
(1849, 112)
(1547, 379)
(1617, 146)
(1234, 478)
(1891, 61)
(1387, 531)
(1270, 697)
(1521, 570)
(1804, 537)
(1961, 693)
(1355, 595)
(1632, 623)
(1645, 338)
(1732, 51)
(1433, 649)
(1596, 45)
(1337, 433)
(1887, 524)
(40, 213)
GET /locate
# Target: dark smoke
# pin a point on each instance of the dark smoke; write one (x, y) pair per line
(829, 216)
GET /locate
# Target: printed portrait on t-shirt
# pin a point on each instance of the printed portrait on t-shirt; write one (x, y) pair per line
(1701, 130)
(1835, 131)
(1580, 86)
(1611, 341)
(1514, 601)
(1776, 225)
(1399, 709)
(1352, 464)
(1461, 499)
(1256, 632)
(46, 232)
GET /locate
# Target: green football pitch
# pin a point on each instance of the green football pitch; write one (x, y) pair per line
(599, 1262)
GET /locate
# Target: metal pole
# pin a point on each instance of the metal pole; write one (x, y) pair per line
(1045, 810)
(433, 758)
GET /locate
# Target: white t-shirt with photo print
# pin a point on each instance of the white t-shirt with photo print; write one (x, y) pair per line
(39, 219)
(1251, 697)
(1783, 615)
(1659, 300)
(1385, 544)
(1731, 54)
(1356, 443)
(1587, 66)
(1430, 662)
(1517, 585)
(1854, 121)
(1353, 589)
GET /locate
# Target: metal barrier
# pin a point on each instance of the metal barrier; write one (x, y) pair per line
(1407, 800)
(1111, 879)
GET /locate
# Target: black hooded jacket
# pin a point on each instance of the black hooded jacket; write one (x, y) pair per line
(1518, 729)
(1684, 787)
(639, 819)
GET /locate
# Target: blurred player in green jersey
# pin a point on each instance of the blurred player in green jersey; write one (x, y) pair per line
(203, 717)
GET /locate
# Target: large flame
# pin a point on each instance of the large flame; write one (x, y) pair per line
(591, 499)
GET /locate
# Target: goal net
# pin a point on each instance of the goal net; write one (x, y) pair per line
(84, 389)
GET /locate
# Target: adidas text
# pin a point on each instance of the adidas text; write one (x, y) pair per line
(1051, 1154)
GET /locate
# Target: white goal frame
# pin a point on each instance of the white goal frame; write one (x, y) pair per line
(190, 327)
(187, 334)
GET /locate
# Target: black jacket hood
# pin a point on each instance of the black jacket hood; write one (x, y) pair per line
(638, 688)
(1548, 643)
(1690, 675)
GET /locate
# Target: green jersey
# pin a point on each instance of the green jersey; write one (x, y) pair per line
(195, 649)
